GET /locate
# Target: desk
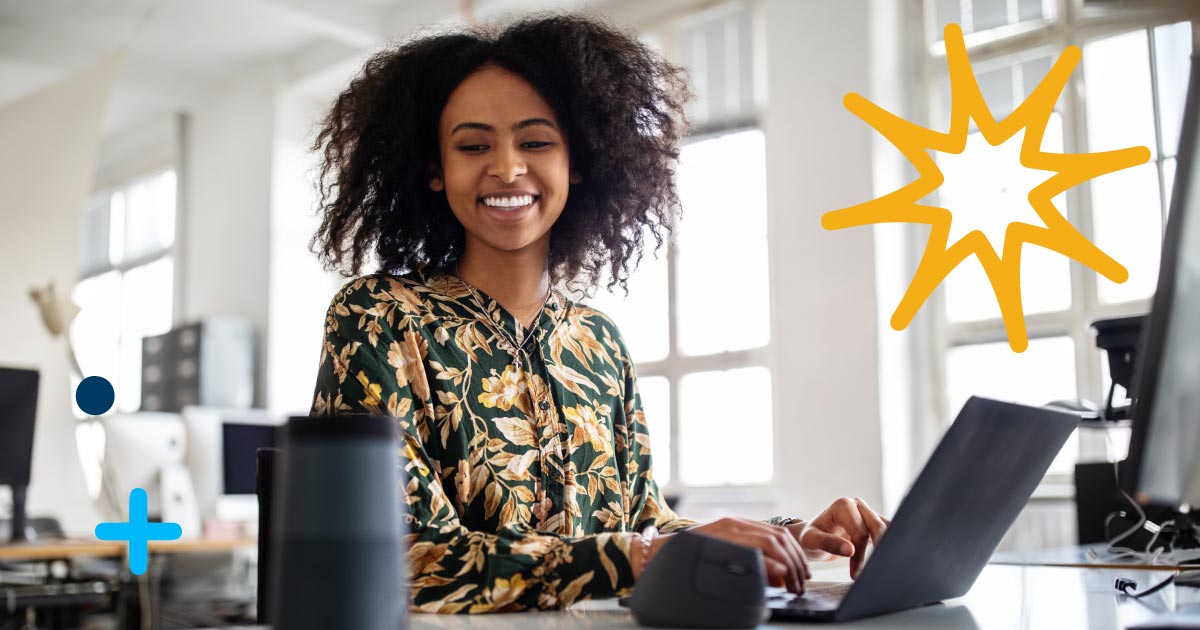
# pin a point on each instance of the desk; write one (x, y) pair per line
(70, 549)
(1004, 598)
(124, 591)
(1078, 557)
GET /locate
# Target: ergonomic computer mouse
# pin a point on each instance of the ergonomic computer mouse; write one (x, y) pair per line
(695, 581)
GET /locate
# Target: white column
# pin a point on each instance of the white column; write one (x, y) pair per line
(826, 384)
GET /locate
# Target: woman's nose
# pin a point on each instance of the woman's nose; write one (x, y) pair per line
(507, 165)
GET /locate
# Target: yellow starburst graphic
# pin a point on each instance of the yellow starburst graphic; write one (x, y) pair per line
(1065, 170)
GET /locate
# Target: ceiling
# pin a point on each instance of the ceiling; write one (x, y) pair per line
(178, 51)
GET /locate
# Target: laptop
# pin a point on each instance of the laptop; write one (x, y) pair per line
(971, 490)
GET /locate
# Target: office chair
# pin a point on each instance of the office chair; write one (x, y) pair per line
(264, 488)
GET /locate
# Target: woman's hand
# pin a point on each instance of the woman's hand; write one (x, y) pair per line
(844, 529)
(785, 562)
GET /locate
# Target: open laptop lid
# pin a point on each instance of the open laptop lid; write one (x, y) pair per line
(971, 490)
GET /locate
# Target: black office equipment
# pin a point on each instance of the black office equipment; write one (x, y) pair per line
(239, 445)
(18, 414)
(265, 459)
(208, 363)
(700, 582)
(971, 490)
(335, 537)
(1119, 337)
(1163, 467)
(1096, 492)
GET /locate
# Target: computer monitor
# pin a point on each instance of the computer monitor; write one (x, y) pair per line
(18, 414)
(1163, 467)
(139, 448)
(221, 456)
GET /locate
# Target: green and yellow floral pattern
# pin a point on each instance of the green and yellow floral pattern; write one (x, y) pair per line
(525, 485)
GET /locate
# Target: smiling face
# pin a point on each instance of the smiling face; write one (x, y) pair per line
(505, 166)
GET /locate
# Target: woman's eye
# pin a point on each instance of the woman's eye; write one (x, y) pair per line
(535, 145)
(471, 148)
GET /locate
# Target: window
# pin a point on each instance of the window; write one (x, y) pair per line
(127, 279)
(1128, 90)
(697, 324)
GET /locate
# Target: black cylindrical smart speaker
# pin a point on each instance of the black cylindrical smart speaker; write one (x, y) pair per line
(336, 544)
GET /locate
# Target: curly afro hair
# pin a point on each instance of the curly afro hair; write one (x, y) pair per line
(620, 103)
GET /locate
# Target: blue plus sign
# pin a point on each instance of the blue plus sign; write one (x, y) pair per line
(138, 531)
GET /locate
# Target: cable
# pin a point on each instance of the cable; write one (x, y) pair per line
(1126, 585)
(1116, 479)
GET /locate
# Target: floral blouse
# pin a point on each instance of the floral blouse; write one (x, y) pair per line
(528, 476)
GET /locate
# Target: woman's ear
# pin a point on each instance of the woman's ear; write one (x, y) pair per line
(436, 183)
(575, 178)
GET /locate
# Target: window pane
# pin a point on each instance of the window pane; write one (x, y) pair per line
(987, 188)
(1128, 223)
(987, 14)
(1002, 88)
(93, 241)
(147, 303)
(1172, 50)
(1120, 109)
(946, 11)
(725, 439)
(1030, 10)
(95, 332)
(1043, 373)
(642, 316)
(722, 245)
(997, 89)
(656, 403)
(150, 215)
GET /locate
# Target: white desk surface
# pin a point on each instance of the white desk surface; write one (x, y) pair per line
(1004, 598)
(1079, 557)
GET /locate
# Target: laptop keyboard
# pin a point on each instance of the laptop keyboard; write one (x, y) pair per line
(815, 597)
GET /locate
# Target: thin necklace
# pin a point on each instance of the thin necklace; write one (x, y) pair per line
(514, 348)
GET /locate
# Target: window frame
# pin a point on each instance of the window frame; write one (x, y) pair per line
(103, 196)
(1068, 22)
(676, 365)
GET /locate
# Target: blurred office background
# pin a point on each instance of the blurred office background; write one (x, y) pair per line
(154, 163)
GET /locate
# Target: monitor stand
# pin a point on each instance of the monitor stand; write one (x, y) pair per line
(18, 514)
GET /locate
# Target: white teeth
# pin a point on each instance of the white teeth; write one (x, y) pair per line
(508, 202)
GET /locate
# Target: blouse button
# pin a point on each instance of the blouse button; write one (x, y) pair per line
(544, 405)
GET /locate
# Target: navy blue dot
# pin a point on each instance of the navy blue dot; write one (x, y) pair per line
(95, 395)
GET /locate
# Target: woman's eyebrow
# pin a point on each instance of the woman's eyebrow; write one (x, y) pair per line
(529, 122)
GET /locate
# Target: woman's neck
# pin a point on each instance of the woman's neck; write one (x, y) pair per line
(517, 280)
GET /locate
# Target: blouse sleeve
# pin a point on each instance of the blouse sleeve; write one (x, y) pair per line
(365, 369)
(647, 506)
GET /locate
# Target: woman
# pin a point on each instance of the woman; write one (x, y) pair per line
(484, 171)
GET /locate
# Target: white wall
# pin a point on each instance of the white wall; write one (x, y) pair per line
(226, 210)
(826, 390)
(300, 289)
(47, 159)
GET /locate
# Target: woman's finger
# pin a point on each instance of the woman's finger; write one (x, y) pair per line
(849, 518)
(792, 545)
(875, 523)
(827, 543)
(771, 547)
(776, 572)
